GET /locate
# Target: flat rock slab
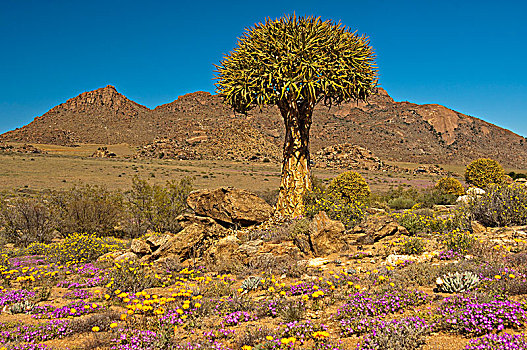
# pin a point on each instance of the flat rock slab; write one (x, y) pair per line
(230, 205)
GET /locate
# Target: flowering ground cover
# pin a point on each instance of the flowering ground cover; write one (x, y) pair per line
(51, 297)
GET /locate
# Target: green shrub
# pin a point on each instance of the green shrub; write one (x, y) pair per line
(459, 241)
(413, 245)
(449, 185)
(401, 203)
(89, 209)
(26, 220)
(430, 197)
(131, 276)
(82, 248)
(483, 172)
(350, 213)
(417, 220)
(501, 205)
(154, 207)
(515, 176)
(350, 187)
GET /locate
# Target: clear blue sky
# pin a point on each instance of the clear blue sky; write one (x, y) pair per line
(470, 56)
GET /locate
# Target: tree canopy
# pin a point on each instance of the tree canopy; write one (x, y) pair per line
(297, 58)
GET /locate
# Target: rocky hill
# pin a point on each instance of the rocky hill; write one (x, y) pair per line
(200, 126)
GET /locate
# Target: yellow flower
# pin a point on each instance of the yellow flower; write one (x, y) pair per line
(247, 347)
(497, 277)
(197, 305)
(95, 329)
(113, 325)
(320, 335)
(72, 311)
(512, 276)
(269, 338)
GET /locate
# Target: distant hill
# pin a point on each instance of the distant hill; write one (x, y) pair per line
(200, 125)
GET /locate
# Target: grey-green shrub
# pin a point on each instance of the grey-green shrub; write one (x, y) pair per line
(26, 220)
(251, 283)
(501, 205)
(458, 282)
(155, 207)
(88, 208)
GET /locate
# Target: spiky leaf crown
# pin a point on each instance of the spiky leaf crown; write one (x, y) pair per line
(297, 59)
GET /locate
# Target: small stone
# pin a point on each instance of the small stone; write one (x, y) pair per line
(140, 247)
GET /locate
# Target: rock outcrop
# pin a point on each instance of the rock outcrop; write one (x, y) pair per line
(30, 149)
(230, 205)
(375, 229)
(327, 236)
(351, 157)
(102, 152)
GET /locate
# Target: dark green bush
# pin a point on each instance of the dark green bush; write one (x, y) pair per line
(459, 241)
(401, 203)
(430, 197)
(413, 245)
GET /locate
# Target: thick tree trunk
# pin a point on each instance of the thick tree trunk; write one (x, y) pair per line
(296, 180)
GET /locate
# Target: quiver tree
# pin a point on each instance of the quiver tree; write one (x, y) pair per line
(295, 63)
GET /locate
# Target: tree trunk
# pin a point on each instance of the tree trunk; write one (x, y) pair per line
(296, 179)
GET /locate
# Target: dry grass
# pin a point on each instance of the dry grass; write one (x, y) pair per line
(64, 166)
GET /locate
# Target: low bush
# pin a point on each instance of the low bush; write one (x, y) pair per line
(459, 241)
(400, 198)
(418, 220)
(401, 203)
(449, 185)
(350, 213)
(26, 220)
(404, 334)
(88, 209)
(82, 248)
(130, 276)
(430, 197)
(501, 205)
(413, 245)
(483, 172)
(350, 187)
(154, 207)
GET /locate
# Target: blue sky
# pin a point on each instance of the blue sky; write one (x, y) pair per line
(467, 55)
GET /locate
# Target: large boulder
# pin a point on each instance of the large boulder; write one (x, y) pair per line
(155, 241)
(375, 229)
(327, 236)
(230, 205)
(198, 235)
(140, 247)
(223, 252)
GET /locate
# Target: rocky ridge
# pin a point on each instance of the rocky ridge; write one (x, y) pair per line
(200, 122)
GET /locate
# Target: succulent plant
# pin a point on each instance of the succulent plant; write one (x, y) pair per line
(457, 282)
(22, 307)
(251, 283)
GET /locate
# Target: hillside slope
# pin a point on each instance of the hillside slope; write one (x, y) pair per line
(398, 131)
